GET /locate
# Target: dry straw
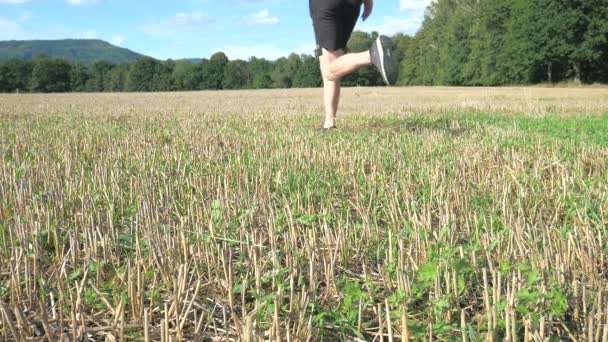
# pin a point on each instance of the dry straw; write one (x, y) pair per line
(431, 214)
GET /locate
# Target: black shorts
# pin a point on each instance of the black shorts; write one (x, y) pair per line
(334, 22)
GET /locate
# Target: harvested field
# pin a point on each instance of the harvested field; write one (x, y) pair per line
(430, 214)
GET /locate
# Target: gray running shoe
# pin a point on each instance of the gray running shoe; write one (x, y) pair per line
(381, 54)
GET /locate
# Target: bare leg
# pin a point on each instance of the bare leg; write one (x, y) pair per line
(334, 66)
(348, 63)
(331, 87)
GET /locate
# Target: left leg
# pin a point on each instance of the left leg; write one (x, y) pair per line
(331, 87)
(334, 66)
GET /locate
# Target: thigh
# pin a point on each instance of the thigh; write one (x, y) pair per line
(334, 21)
(331, 56)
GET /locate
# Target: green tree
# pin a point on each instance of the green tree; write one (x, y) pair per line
(262, 81)
(142, 75)
(280, 76)
(520, 55)
(551, 37)
(213, 71)
(401, 42)
(198, 78)
(15, 75)
(79, 77)
(100, 73)
(284, 71)
(428, 58)
(456, 43)
(260, 70)
(236, 75)
(51, 75)
(163, 77)
(410, 65)
(589, 23)
(184, 75)
(308, 74)
(119, 76)
(494, 18)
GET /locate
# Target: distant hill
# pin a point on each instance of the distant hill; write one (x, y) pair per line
(191, 60)
(75, 50)
(194, 60)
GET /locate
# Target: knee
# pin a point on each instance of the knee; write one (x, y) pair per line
(327, 59)
(327, 73)
(330, 76)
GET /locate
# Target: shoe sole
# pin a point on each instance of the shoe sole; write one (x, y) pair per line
(380, 43)
(380, 48)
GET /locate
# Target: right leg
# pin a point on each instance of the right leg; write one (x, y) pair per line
(346, 64)
(379, 54)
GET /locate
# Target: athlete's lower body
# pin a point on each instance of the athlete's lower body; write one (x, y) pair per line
(334, 22)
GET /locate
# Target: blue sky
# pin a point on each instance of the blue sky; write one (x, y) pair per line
(191, 28)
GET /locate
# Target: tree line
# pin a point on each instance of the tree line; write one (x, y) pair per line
(501, 42)
(461, 42)
(46, 74)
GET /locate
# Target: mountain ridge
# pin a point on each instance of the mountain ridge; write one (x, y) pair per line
(86, 51)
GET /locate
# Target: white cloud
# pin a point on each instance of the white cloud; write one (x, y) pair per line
(72, 2)
(13, 29)
(90, 34)
(25, 16)
(81, 2)
(14, 2)
(414, 4)
(117, 40)
(409, 23)
(187, 19)
(9, 30)
(176, 24)
(262, 17)
(157, 30)
(391, 25)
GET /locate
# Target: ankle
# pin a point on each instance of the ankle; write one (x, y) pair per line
(329, 123)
